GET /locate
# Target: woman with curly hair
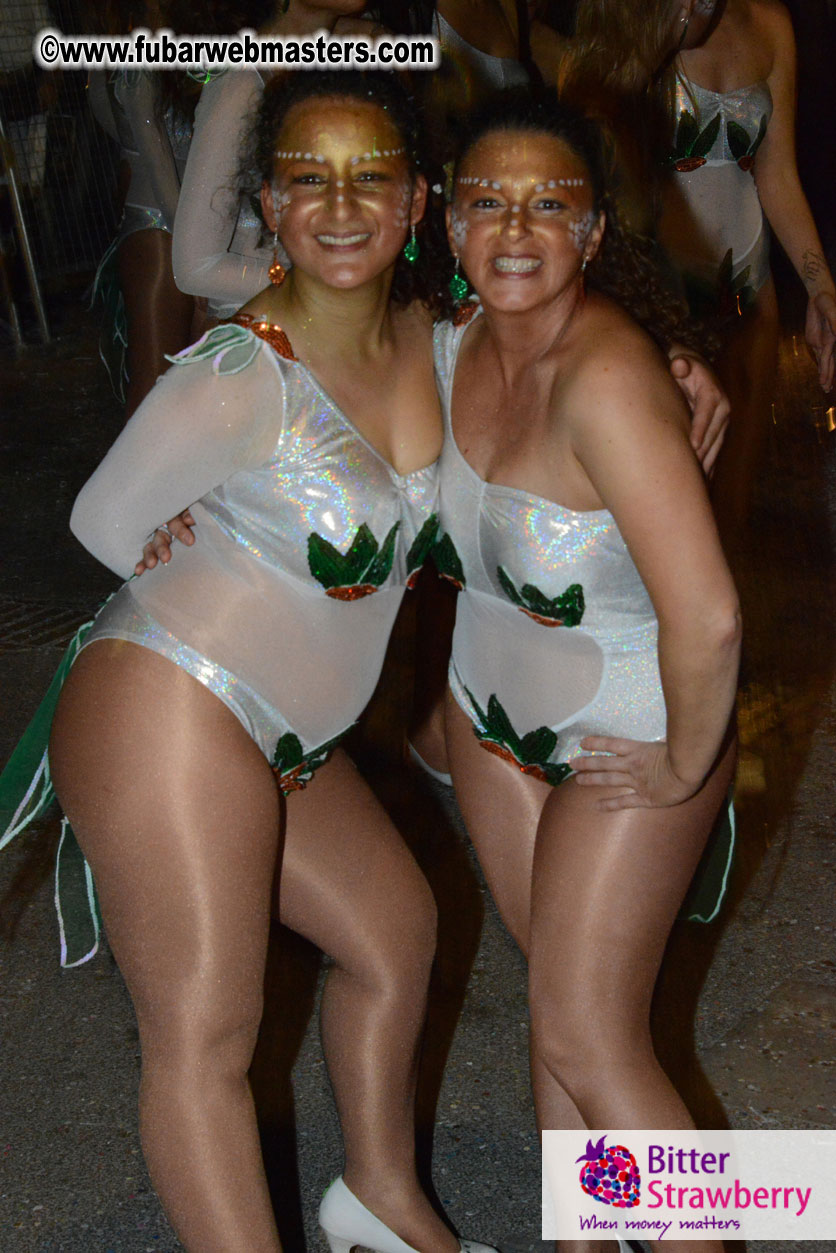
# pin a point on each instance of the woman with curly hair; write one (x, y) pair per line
(208, 695)
(597, 635)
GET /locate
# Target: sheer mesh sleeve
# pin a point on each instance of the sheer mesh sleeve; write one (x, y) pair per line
(218, 410)
(154, 179)
(216, 249)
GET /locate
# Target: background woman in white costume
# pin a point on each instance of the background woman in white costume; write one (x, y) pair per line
(715, 218)
(597, 615)
(150, 115)
(267, 637)
(727, 143)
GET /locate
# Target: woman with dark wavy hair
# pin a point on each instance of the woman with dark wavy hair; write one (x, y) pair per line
(595, 652)
(307, 431)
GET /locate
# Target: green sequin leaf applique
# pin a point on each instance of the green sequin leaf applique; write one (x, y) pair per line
(538, 745)
(742, 147)
(293, 767)
(727, 297)
(530, 752)
(566, 610)
(739, 139)
(356, 573)
(421, 547)
(692, 144)
(381, 567)
(686, 133)
(448, 562)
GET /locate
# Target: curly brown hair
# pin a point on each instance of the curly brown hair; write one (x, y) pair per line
(627, 267)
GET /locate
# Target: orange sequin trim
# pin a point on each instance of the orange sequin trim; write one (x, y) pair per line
(351, 593)
(464, 313)
(269, 331)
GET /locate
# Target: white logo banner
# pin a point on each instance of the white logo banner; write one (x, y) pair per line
(689, 1185)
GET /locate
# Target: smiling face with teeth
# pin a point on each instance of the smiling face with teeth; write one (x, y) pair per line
(523, 218)
(343, 197)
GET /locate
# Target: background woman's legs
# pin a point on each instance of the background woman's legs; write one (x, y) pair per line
(159, 315)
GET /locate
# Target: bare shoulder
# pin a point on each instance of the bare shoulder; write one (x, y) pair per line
(772, 25)
(620, 375)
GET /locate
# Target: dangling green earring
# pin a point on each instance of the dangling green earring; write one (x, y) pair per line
(411, 248)
(458, 285)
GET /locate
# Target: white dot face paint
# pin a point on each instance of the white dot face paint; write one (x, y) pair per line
(458, 230)
(580, 228)
(281, 200)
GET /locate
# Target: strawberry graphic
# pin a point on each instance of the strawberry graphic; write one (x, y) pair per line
(565, 610)
(693, 144)
(610, 1174)
(358, 572)
(293, 767)
(530, 752)
(741, 145)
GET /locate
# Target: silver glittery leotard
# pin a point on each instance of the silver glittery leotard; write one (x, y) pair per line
(556, 637)
(713, 226)
(306, 539)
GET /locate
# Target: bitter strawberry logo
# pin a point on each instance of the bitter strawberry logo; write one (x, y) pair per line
(610, 1174)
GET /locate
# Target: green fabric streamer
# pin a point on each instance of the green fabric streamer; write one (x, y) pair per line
(26, 792)
(711, 878)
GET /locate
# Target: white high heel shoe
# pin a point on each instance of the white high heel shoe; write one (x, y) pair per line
(346, 1222)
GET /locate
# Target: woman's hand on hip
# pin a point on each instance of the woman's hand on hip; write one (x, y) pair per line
(640, 770)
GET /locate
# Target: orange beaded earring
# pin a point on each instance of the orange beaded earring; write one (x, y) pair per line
(277, 271)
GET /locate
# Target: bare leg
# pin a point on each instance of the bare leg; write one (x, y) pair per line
(178, 814)
(594, 914)
(159, 315)
(350, 885)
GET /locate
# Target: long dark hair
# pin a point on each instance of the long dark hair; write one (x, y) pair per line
(424, 281)
(627, 267)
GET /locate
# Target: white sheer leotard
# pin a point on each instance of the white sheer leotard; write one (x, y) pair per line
(284, 605)
(556, 637)
(713, 227)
